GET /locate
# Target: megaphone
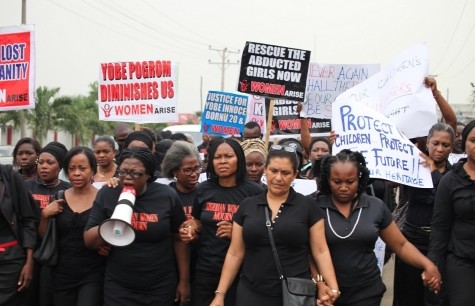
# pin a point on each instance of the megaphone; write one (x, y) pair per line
(117, 230)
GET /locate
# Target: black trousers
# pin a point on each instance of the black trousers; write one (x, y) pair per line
(89, 294)
(460, 279)
(408, 287)
(202, 290)
(247, 297)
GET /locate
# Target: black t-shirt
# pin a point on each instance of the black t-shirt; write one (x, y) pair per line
(421, 200)
(187, 199)
(291, 235)
(353, 258)
(214, 204)
(148, 263)
(77, 264)
(42, 194)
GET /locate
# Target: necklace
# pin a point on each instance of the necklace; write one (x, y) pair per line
(354, 227)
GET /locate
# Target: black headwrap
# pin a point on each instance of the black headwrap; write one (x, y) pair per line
(58, 150)
(140, 136)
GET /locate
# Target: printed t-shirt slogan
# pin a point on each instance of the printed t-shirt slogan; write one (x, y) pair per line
(274, 71)
(141, 92)
(17, 63)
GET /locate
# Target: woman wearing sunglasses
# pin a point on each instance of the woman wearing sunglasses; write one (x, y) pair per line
(216, 202)
(144, 272)
(297, 228)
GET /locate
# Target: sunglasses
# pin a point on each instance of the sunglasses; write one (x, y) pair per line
(285, 148)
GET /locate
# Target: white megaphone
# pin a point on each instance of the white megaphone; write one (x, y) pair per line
(117, 230)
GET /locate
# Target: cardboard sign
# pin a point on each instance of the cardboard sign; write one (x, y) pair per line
(224, 113)
(398, 92)
(326, 81)
(389, 154)
(141, 92)
(274, 71)
(17, 67)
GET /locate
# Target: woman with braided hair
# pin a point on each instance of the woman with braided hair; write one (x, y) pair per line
(144, 272)
(353, 223)
(255, 152)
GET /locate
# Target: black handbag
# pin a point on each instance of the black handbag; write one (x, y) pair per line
(295, 291)
(399, 215)
(47, 253)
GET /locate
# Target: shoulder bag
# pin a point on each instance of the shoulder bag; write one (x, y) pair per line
(295, 291)
(399, 215)
(47, 253)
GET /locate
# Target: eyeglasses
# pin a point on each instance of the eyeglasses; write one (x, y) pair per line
(285, 148)
(190, 171)
(133, 174)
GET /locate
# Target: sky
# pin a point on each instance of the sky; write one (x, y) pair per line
(73, 37)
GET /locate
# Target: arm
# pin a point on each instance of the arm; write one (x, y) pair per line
(324, 292)
(26, 273)
(322, 257)
(182, 255)
(442, 221)
(54, 208)
(232, 262)
(305, 138)
(405, 250)
(445, 108)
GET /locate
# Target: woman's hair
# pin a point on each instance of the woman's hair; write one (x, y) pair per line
(175, 155)
(466, 130)
(80, 150)
(241, 159)
(281, 152)
(320, 139)
(139, 136)
(441, 127)
(36, 146)
(105, 138)
(344, 156)
(147, 158)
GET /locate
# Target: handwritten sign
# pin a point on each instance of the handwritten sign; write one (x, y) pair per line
(389, 154)
(379, 252)
(141, 92)
(17, 67)
(274, 71)
(224, 113)
(326, 81)
(398, 92)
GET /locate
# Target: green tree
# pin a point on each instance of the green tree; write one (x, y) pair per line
(40, 119)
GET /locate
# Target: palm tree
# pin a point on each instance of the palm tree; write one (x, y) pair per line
(40, 118)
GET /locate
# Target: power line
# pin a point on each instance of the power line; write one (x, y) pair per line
(460, 50)
(225, 62)
(449, 44)
(117, 32)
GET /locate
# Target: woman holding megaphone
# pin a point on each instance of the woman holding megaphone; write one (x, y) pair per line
(141, 266)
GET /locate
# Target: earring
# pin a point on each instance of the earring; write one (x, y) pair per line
(175, 178)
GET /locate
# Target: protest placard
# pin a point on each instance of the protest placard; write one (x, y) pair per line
(17, 67)
(326, 81)
(224, 113)
(389, 154)
(140, 92)
(286, 121)
(398, 92)
(273, 71)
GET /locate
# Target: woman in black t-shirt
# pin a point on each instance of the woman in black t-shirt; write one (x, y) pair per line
(297, 228)
(79, 274)
(216, 202)
(353, 223)
(143, 272)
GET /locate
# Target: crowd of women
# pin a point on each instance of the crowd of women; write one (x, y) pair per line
(208, 243)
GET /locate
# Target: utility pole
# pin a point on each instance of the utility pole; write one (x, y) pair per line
(224, 63)
(22, 112)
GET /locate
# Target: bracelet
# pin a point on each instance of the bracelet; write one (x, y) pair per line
(336, 291)
(436, 94)
(318, 278)
(220, 292)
